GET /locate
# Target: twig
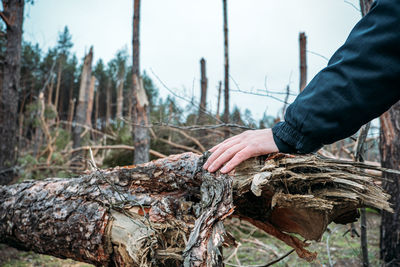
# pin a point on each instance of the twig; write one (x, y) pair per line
(179, 146)
(351, 4)
(126, 147)
(88, 128)
(328, 250)
(197, 142)
(317, 54)
(184, 98)
(280, 258)
(6, 21)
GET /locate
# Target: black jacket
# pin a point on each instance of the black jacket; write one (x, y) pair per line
(361, 81)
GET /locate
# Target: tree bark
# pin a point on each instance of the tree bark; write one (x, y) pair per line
(303, 60)
(390, 158)
(71, 109)
(226, 65)
(365, 6)
(13, 16)
(59, 73)
(140, 103)
(203, 93)
(218, 100)
(170, 211)
(97, 103)
(108, 104)
(82, 107)
(120, 97)
(89, 110)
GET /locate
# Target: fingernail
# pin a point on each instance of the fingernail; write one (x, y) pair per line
(211, 168)
(205, 166)
(224, 169)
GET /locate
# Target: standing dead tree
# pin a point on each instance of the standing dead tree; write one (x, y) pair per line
(170, 211)
(218, 100)
(89, 110)
(82, 107)
(226, 65)
(120, 89)
(13, 16)
(140, 103)
(303, 60)
(203, 95)
(390, 158)
(365, 6)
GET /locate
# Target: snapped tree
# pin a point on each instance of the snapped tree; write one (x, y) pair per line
(170, 211)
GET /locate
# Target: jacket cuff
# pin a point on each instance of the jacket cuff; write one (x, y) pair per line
(289, 140)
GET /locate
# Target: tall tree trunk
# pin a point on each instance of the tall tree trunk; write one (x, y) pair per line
(120, 96)
(226, 65)
(390, 158)
(82, 107)
(59, 73)
(169, 212)
(97, 103)
(71, 108)
(219, 100)
(203, 96)
(365, 6)
(12, 15)
(140, 103)
(108, 103)
(50, 88)
(303, 60)
(89, 111)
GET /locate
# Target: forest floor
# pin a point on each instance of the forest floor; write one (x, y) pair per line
(255, 249)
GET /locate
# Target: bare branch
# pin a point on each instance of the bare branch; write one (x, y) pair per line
(125, 147)
(190, 101)
(6, 21)
(317, 54)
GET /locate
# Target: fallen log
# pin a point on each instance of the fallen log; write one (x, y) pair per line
(170, 212)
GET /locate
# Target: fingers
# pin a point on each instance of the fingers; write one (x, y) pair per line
(240, 156)
(219, 150)
(225, 156)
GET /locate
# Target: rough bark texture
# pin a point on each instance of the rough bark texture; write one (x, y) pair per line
(140, 103)
(81, 109)
(108, 105)
(120, 96)
(390, 158)
(218, 100)
(90, 97)
(365, 6)
(303, 60)
(203, 93)
(13, 15)
(170, 211)
(226, 64)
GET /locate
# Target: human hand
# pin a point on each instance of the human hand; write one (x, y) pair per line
(238, 148)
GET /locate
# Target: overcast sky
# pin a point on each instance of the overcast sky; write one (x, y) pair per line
(175, 34)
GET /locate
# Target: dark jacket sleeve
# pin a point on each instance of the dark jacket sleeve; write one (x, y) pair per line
(361, 81)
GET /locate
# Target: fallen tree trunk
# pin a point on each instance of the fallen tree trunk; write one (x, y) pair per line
(169, 211)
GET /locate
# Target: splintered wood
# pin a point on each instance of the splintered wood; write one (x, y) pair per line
(171, 212)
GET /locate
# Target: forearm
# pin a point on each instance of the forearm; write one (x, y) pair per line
(361, 81)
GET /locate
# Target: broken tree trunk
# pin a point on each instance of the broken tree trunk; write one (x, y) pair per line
(226, 66)
(170, 211)
(81, 109)
(303, 60)
(140, 104)
(13, 16)
(203, 92)
(390, 158)
(89, 110)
